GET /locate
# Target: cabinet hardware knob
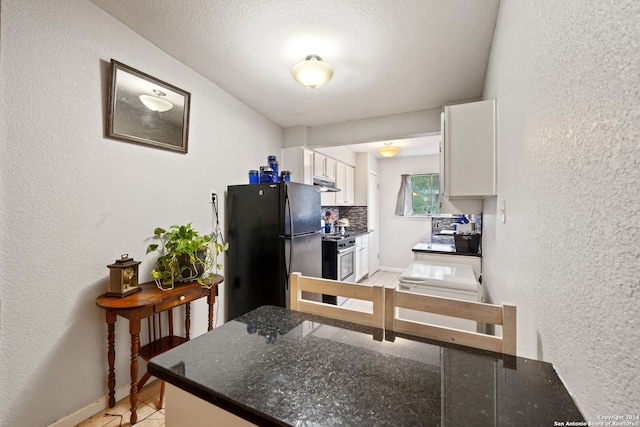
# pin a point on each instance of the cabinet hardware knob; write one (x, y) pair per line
(182, 298)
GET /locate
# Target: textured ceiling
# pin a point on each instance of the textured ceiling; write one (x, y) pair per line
(389, 56)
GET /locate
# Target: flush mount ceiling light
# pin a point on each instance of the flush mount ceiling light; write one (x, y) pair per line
(388, 150)
(156, 103)
(312, 72)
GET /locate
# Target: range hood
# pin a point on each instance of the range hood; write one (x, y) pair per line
(325, 185)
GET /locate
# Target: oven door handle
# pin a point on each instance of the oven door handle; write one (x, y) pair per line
(350, 248)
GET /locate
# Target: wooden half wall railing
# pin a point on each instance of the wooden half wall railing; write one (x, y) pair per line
(386, 300)
(374, 293)
(501, 315)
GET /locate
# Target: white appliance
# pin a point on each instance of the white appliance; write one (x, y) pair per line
(440, 279)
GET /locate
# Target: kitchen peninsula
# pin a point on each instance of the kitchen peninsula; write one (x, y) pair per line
(441, 245)
(274, 366)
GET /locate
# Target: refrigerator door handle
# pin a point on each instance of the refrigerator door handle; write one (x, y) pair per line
(287, 203)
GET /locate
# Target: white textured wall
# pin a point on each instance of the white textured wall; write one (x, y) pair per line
(398, 235)
(73, 201)
(567, 79)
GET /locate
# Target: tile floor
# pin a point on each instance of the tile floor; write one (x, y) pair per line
(385, 278)
(150, 416)
(382, 277)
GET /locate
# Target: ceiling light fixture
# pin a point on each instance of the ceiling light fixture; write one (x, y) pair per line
(156, 103)
(312, 72)
(388, 150)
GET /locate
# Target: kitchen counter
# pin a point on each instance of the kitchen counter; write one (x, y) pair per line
(350, 233)
(356, 233)
(440, 248)
(274, 366)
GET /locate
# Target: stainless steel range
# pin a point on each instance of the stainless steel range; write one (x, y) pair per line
(338, 260)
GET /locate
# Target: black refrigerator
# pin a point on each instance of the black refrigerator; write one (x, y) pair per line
(273, 229)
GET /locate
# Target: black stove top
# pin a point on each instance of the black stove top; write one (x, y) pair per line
(334, 237)
(338, 241)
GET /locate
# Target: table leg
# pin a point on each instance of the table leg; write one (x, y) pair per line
(134, 330)
(210, 323)
(211, 299)
(187, 319)
(111, 357)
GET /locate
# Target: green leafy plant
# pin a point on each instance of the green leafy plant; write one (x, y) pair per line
(186, 255)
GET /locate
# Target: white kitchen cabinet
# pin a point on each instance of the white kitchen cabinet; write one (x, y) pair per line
(345, 181)
(349, 187)
(299, 161)
(328, 198)
(362, 256)
(469, 158)
(340, 182)
(358, 259)
(367, 194)
(318, 165)
(324, 167)
(307, 166)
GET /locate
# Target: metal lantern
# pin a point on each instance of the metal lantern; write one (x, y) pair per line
(123, 277)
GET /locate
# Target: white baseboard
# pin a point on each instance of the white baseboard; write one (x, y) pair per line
(91, 409)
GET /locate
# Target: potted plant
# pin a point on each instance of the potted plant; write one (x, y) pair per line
(186, 255)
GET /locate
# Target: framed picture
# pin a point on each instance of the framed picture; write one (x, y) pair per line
(145, 110)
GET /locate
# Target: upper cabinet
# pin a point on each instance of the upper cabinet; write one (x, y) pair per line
(305, 164)
(340, 181)
(324, 167)
(468, 158)
(298, 161)
(350, 186)
(345, 181)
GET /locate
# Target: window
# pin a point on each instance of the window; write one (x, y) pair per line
(419, 195)
(426, 194)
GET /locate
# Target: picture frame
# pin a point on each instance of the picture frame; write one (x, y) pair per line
(146, 110)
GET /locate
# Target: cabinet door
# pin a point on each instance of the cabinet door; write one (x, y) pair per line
(307, 167)
(330, 168)
(298, 161)
(349, 190)
(358, 258)
(373, 221)
(470, 150)
(364, 268)
(340, 183)
(318, 165)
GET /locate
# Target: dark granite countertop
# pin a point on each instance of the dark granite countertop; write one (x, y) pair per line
(441, 248)
(356, 233)
(274, 366)
(351, 233)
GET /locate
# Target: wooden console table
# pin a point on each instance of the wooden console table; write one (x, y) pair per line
(140, 305)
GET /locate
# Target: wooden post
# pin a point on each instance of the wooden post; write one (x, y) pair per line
(294, 291)
(389, 308)
(509, 326)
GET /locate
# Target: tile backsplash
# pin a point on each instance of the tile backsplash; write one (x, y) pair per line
(443, 224)
(357, 216)
(439, 223)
